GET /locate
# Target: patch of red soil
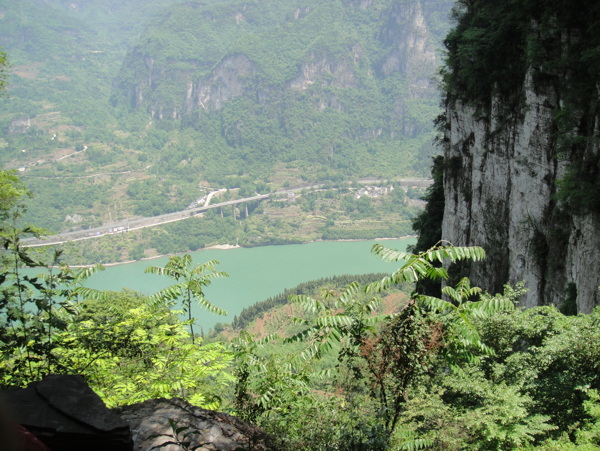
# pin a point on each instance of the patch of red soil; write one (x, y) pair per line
(259, 327)
(394, 302)
(30, 71)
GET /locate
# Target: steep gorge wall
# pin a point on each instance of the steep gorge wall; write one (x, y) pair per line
(216, 54)
(344, 85)
(521, 174)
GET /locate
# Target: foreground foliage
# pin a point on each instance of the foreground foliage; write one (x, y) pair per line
(189, 286)
(469, 371)
(128, 347)
(465, 371)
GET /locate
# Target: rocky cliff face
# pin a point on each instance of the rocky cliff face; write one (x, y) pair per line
(234, 51)
(523, 185)
(406, 31)
(363, 67)
(412, 53)
(226, 81)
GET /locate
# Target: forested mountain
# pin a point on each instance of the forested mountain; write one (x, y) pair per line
(115, 103)
(64, 56)
(328, 83)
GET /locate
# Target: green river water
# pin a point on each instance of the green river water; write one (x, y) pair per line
(256, 274)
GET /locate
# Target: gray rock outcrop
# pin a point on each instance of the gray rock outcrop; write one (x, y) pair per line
(154, 425)
(500, 188)
(522, 153)
(67, 415)
(19, 125)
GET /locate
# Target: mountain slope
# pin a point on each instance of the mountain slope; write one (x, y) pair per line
(112, 104)
(334, 84)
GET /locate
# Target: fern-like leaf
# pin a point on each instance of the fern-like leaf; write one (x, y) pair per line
(211, 307)
(333, 321)
(91, 293)
(435, 304)
(307, 303)
(387, 254)
(349, 292)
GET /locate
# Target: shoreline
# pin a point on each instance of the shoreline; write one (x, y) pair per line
(237, 246)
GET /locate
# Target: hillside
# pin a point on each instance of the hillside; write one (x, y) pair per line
(123, 109)
(60, 130)
(331, 85)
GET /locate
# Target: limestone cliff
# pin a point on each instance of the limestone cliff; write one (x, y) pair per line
(201, 63)
(521, 152)
(412, 53)
(316, 78)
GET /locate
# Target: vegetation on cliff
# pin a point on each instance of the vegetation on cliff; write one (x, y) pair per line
(521, 88)
(495, 47)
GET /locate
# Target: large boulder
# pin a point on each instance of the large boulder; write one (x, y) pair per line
(166, 424)
(67, 415)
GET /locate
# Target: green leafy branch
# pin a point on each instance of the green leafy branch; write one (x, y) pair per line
(190, 285)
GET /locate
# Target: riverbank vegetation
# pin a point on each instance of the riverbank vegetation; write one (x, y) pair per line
(335, 212)
(362, 364)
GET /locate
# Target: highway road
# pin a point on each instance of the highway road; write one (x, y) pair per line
(130, 224)
(136, 223)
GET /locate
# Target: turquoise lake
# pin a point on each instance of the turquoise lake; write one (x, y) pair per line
(256, 274)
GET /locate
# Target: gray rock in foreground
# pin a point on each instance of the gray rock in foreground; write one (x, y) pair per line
(67, 415)
(152, 424)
